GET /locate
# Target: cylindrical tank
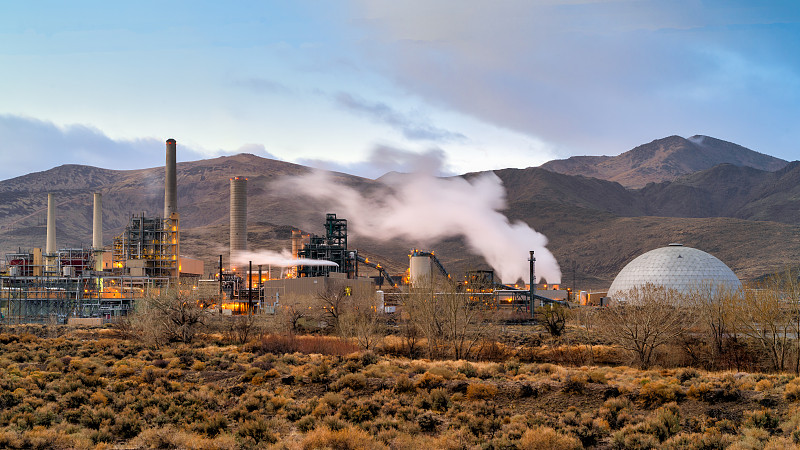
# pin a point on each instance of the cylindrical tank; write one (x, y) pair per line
(170, 181)
(238, 215)
(380, 301)
(420, 270)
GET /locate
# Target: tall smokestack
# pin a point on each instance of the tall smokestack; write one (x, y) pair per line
(50, 249)
(170, 182)
(51, 224)
(97, 231)
(238, 217)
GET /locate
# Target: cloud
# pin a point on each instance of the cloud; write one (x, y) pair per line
(424, 208)
(30, 145)
(383, 159)
(592, 75)
(412, 129)
(255, 149)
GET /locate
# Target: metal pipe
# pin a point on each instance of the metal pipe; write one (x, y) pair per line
(532, 288)
(250, 288)
(220, 284)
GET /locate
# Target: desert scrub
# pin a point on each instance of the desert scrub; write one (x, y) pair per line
(353, 381)
(655, 393)
(342, 439)
(481, 391)
(546, 438)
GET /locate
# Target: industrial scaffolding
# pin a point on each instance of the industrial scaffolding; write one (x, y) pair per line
(332, 247)
(147, 247)
(54, 300)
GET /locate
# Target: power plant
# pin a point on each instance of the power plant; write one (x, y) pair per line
(97, 284)
(101, 283)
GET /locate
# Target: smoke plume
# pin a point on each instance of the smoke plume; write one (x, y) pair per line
(423, 208)
(277, 259)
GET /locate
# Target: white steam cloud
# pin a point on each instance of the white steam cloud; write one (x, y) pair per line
(423, 208)
(278, 259)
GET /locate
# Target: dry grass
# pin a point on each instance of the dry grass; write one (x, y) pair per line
(70, 391)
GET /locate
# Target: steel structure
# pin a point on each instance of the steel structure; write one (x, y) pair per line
(149, 244)
(332, 247)
(57, 299)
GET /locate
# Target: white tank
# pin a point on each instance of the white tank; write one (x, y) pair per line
(420, 270)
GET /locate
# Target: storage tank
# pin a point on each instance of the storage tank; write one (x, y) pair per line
(419, 270)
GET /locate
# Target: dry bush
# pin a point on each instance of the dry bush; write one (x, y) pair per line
(343, 439)
(546, 438)
(659, 392)
(480, 391)
(279, 344)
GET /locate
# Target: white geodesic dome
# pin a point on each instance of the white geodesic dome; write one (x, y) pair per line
(675, 267)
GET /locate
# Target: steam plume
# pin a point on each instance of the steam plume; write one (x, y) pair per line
(422, 207)
(278, 259)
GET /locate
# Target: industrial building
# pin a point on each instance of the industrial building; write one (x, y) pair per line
(103, 283)
(677, 267)
(61, 285)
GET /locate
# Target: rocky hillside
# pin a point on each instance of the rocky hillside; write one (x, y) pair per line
(746, 216)
(664, 160)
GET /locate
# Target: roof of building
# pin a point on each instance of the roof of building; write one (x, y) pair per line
(675, 267)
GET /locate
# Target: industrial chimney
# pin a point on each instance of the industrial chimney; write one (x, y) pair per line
(238, 217)
(50, 248)
(97, 231)
(170, 182)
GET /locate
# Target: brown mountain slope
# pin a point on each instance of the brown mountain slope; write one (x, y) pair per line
(728, 191)
(584, 218)
(664, 160)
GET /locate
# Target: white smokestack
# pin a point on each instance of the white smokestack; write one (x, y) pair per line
(51, 224)
(170, 181)
(50, 248)
(238, 216)
(97, 231)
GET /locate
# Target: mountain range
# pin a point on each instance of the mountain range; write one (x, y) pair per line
(599, 212)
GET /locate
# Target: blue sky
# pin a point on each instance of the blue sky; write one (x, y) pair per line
(371, 86)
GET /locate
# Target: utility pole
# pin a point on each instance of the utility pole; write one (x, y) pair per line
(532, 260)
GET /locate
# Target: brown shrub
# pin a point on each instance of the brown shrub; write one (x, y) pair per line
(546, 438)
(344, 439)
(480, 391)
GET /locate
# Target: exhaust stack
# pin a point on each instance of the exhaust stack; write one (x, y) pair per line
(238, 215)
(170, 181)
(50, 248)
(97, 232)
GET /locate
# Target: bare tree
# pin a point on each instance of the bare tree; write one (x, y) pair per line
(361, 320)
(716, 330)
(585, 320)
(553, 318)
(448, 318)
(169, 316)
(644, 319)
(333, 301)
(769, 315)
